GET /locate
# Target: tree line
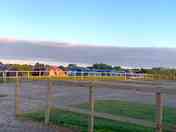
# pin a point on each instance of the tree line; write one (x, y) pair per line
(98, 66)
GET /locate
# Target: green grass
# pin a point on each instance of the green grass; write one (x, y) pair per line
(135, 110)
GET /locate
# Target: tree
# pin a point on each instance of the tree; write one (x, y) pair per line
(62, 67)
(20, 67)
(72, 65)
(118, 68)
(143, 70)
(102, 66)
(39, 66)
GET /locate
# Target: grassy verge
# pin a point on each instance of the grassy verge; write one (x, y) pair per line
(140, 111)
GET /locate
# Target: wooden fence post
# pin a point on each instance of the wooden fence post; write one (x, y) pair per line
(47, 112)
(92, 107)
(159, 112)
(17, 97)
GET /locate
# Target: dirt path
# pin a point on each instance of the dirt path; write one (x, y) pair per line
(8, 121)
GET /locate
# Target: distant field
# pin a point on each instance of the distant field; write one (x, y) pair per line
(123, 108)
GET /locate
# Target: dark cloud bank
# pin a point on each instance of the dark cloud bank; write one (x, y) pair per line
(131, 57)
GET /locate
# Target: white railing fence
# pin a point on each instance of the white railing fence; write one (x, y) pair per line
(28, 74)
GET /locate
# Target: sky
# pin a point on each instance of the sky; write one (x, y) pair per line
(125, 23)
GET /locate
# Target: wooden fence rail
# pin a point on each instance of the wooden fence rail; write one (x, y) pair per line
(158, 90)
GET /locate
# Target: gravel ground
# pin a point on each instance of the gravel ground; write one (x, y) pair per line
(8, 121)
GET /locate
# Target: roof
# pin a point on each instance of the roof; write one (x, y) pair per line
(104, 70)
(3, 67)
(55, 68)
(79, 69)
(83, 69)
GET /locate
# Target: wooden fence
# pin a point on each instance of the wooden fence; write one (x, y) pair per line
(157, 89)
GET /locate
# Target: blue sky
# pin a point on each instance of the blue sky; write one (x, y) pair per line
(132, 23)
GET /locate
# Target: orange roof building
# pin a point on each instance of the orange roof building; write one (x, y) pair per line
(56, 72)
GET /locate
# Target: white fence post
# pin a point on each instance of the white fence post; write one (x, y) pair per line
(17, 97)
(125, 76)
(16, 73)
(4, 74)
(28, 75)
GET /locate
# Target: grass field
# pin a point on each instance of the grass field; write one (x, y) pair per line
(140, 111)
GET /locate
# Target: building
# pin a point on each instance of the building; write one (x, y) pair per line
(3, 67)
(39, 72)
(56, 72)
(78, 71)
(12, 72)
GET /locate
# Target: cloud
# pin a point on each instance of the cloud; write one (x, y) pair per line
(7, 40)
(10, 40)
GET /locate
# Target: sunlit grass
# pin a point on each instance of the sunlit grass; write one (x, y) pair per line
(122, 108)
